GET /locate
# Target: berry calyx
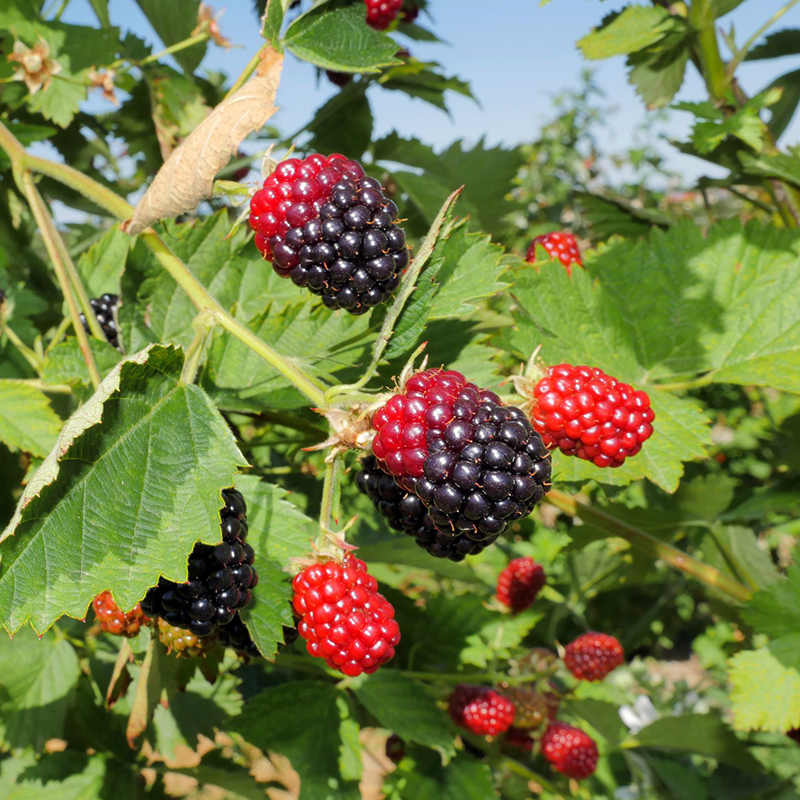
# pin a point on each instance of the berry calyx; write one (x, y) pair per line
(590, 415)
(105, 309)
(382, 13)
(561, 245)
(113, 620)
(344, 619)
(480, 710)
(183, 643)
(404, 511)
(592, 656)
(571, 751)
(221, 577)
(328, 227)
(476, 465)
(530, 707)
(519, 583)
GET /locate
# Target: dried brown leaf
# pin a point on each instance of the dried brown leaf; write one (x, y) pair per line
(187, 177)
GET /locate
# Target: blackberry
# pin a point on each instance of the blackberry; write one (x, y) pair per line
(404, 511)
(236, 636)
(328, 227)
(221, 578)
(105, 309)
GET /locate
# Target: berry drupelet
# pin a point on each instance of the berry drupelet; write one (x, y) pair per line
(113, 620)
(105, 309)
(221, 577)
(343, 617)
(519, 583)
(593, 655)
(589, 414)
(475, 464)
(327, 226)
(571, 751)
(561, 245)
(404, 511)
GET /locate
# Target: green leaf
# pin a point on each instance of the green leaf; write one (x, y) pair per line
(782, 112)
(279, 531)
(404, 707)
(702, 734)
(216, 770)
(421, 80)
(497, 637)
(95, 516)
(722, 7)
(657, 71)
(65, 363)
(27, 422)
(601, 715)
(102, 265)
(635, 28)
(735, 551)
(343, 124)
(784, 166)
(37, 677)
(100, 8)
(174, 22)
(776, 45)
(350, 752)
(61, 776)
(764, 692)
(273, 22)
(679, 780)
(422, 776)
(340, 39)
(610, 215)
(299, 720)
(776, 610)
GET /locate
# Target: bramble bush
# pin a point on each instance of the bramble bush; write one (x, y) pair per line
(364, 477)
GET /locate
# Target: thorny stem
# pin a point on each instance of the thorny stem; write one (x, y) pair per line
(649, 544)
(50, 236)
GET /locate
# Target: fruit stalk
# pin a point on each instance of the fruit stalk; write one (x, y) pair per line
(649, 544)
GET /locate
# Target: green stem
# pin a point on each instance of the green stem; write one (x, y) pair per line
(50, 236)
(682, 386)
(649, 544)
(58, 336)
(747, 46)
(329, 507)
(287, 420)
(249, 69)
(51, 388)
(203, 325)
(715, 74)
(168, 51)
(25, 351)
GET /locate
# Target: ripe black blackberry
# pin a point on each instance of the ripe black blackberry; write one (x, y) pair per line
(221, 578)
(405, 512)
(236, 636)
(105, 309)
(327, 226)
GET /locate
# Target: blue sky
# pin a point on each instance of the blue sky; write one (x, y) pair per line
(515, 54)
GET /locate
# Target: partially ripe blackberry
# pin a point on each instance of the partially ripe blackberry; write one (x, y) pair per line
(105, 309)
(571, 751)
(326, 225)
(381, 13)
(404, 511)
(561, 245)
(221, 577)
(590, 415)
(481, 710)
(593, 655)
(530, 706)
(113, 620)
(183, 643)
(519, 583)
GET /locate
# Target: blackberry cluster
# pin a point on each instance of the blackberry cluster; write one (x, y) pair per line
(221, 578)
(105, 309)
(327, 226)
(236, 636)
(405, 512)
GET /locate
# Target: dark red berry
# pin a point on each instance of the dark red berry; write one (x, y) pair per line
(381, 13)
(221, 577)
(794, 734)
(519, 583)
(326, 225)
(410, 11)
(589, 414)
(395, 749)
(516, 737)
(338, 78)
(343, 617)
(105, 309)
(113, 620)
(480, 710)
(571, 751)
(561, 245)
(593, 655)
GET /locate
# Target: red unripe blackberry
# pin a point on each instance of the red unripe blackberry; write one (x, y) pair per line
(571, 751)
(326, 225)
(105, 309)
(516, 737)
(480, 710)
(382, 13)
(183, 643)
(561, 245)
(404, 511)
(519, 583)
(475, 464)
(113, 620)
(343, 617)
(589, 414)
(593, 655)
(221, 577)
